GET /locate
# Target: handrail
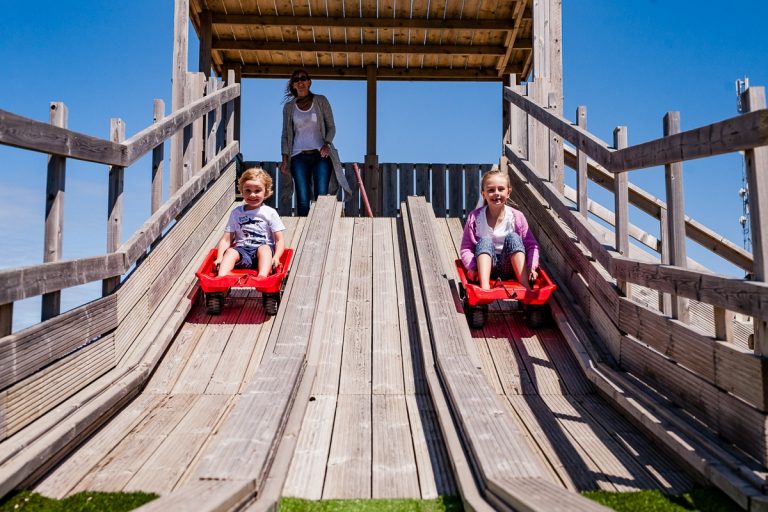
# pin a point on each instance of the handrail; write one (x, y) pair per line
(746, 131)
(25, 133)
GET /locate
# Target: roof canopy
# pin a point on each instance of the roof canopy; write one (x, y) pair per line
(478, 40)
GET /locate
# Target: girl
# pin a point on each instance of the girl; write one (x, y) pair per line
(254, 232)
(496, 241)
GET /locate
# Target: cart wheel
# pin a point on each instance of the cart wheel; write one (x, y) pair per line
(214, 303)
(476, 315)
(536, 316)
(271, 301)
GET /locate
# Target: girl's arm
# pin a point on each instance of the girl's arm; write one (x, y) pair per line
(279, 248)
(224, 243)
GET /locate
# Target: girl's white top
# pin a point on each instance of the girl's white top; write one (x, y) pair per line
(499, 233)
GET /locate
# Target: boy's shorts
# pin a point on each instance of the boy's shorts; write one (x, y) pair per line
(248, 256)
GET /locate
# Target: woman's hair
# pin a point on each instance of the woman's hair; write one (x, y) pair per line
(290, 92)
(256, 174)
(492, 174)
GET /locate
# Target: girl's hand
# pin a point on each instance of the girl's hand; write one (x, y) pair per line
(532, 276)
(325, 151)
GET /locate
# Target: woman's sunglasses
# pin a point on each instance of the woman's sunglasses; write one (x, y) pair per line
(299, 79)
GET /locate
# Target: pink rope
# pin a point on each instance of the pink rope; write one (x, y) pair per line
(362, 190)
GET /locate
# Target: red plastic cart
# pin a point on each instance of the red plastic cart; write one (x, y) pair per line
(216, 288)
(476, 299)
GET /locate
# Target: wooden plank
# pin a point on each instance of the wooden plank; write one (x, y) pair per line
(506, 370)
(472, 185)
(439, 189)
(456, 188)
(54, 211)
(114, 204)
(394, 472)
(362, 22)
(60, 483)
(29, 399)
(164, 469)
(356, 357)
(621, 207)
(406, 181)
(6, 319)
(386, 351)
(158, 158)
(307, 474)
(330, 319)
(421, 171)
(434, 466)
(115, 471)
(25, 352)
(389, 193)
(21, 132)
(349, 461)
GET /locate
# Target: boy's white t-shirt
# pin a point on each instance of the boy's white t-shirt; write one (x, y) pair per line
(499, 233)
(254, 228)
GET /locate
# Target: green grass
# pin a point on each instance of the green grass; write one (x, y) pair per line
(82, 502)
(442, 504)
(702, 500)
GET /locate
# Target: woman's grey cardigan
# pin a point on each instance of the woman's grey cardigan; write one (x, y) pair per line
(327, 132)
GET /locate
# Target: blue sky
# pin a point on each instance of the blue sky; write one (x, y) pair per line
(628, 62)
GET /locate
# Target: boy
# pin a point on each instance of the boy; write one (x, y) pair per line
(254, 232)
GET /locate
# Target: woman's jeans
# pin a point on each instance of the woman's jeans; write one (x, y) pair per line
(311, 175)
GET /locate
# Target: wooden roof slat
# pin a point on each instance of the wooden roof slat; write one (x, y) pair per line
(363, 22)
(383, 73)
(359, 48)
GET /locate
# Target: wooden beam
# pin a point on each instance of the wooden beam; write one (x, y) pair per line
(206, 38)
(54, 211)
(361, 22)
(24, 133)
(372, 176)
(6, 319)
(180, 31)
(511, 39)
(673, 178)
(114, 204)
(316, 46)
(382, 73)
(757, 166)
(158, 157)
(582, 194)
(621, 206)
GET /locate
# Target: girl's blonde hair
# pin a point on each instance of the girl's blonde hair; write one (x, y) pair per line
(492, 174)
(255, 174)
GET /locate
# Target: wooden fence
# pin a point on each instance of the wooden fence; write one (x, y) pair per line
(106, 340)
(715, 379)
(452, 189)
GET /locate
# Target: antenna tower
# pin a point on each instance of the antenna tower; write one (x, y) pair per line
(744, 220)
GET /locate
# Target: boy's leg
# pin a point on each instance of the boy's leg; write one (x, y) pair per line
(228, 262)
(264, 260)
(301, 173)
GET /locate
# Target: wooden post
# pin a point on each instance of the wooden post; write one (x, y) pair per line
(158, 155)
(582, 193)
(114, 204)
(621, 205)
(206, 42)
(556, 156)
(54, 212)
(238, 79)
(198, 127)
(211, 121)
(180, 52)
(665, 299)
(673, 176)
(757, 167)
(372, 178)
(229, 115)
(6, 319)
(506, 119)
(519, 126)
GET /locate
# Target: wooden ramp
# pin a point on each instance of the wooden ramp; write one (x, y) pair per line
(349, 393)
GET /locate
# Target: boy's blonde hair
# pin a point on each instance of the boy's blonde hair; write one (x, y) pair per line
(255, 174)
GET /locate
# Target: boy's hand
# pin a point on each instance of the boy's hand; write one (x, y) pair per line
(275, 262)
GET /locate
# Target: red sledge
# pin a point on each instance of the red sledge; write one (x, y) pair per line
(215, 288)
(476, 300)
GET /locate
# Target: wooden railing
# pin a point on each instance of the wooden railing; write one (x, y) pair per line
(720, 382)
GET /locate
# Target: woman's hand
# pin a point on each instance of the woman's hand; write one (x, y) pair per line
(284, 167)
(325, 151)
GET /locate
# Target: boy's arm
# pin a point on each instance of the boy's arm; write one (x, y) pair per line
(224, 243)
(279, 248)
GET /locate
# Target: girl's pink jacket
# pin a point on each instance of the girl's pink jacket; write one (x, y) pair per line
(470, 238)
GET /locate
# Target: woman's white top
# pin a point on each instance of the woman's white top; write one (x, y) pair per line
(499, 233)
(306, 130)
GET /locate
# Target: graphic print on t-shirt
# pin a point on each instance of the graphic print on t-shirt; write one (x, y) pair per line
(254, 232)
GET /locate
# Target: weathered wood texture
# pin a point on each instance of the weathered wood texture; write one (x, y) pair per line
(38, 136)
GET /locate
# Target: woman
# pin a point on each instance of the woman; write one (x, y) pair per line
(307, 143)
